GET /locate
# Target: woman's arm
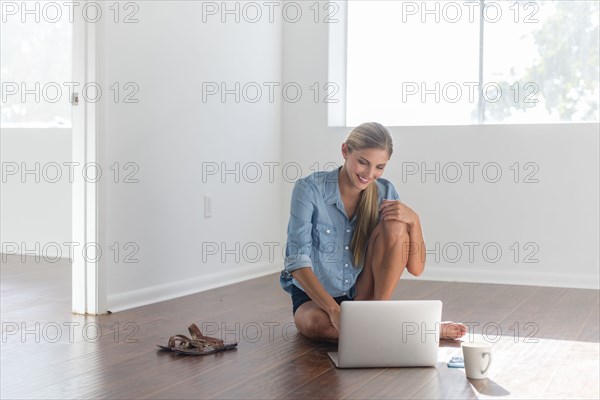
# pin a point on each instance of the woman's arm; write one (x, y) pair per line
(315, 290)
(395, 209)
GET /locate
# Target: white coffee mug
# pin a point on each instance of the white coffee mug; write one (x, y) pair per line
(478, 358)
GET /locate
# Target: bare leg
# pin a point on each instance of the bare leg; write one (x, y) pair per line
(314, 323)
(384, 262)
(389, 259)
(364, 282)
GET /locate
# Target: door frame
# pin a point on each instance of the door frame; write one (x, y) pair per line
(88, 275)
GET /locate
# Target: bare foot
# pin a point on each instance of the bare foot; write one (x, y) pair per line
(452, 330)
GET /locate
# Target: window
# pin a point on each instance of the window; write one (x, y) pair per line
(472, 62)
(35, 54)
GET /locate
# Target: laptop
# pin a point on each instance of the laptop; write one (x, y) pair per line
(388, 333)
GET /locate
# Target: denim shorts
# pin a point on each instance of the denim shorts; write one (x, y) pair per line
(300, 297)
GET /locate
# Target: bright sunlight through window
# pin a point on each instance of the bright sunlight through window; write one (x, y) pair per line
(472, 62)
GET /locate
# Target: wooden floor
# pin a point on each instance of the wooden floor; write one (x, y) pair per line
(548, 347)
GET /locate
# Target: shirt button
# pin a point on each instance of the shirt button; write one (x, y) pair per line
(346, 247)
(328, 231)
(346, 280)
(347, 230)
(346, 265)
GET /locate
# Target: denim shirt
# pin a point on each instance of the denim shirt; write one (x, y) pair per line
(319, 233)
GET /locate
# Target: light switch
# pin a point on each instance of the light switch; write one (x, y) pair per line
(207, 205)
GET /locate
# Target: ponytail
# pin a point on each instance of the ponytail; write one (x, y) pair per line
(368, 215)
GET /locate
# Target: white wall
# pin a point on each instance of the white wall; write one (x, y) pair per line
(169, 134)
(35, 207)
(557, 217)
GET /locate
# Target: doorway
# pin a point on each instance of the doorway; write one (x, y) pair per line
(48, 197)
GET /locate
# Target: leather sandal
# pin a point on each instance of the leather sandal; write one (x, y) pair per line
(198, 345)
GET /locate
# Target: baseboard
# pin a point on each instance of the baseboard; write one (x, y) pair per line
(507, 277)
(154, 294)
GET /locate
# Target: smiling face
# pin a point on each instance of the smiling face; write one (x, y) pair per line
(364, 166)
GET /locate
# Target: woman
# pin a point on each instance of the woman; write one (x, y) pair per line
(350, 237)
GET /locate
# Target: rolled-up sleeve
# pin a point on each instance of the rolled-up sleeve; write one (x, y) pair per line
(392, 193)
(387, 190)
(299, 232)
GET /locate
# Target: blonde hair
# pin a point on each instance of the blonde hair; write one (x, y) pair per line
(370, 135)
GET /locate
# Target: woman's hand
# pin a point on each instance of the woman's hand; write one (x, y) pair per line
(334, 316)
(395, 209)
